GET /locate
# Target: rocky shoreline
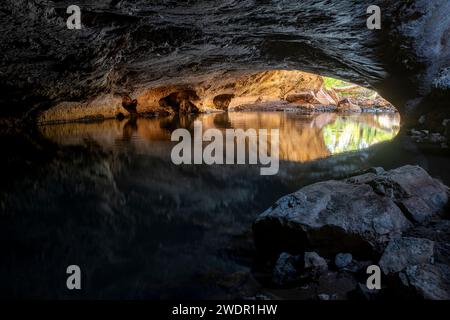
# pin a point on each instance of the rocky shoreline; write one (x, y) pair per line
(395, 219)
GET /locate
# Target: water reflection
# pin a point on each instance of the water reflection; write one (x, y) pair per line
(110, 200)
(302, 137)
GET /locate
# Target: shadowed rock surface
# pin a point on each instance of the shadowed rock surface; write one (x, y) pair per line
(347, 216)
(431, 282)
(351, 215)
(127, 47)
(406, 251)
(413, 190)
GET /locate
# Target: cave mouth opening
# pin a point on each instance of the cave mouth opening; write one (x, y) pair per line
(316, 116)
(271, 90)
(228, 91)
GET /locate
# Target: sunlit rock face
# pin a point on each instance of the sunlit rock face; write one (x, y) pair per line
(130, 46)
(273, 90)
(218, 92)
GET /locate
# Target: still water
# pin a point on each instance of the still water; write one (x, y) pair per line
(110, 200)
(302, 137)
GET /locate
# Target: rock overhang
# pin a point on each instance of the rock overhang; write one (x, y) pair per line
(129, 46)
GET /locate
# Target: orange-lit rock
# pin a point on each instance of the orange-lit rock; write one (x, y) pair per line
(346, 105)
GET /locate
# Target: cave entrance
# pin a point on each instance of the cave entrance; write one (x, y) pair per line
(271, 90)
(268, 91)
(317, 116)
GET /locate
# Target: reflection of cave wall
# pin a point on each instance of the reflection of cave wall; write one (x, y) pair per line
(308, 131)
(128, 46)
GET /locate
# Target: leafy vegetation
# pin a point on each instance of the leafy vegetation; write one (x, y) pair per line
(330, 83)
(343, 136)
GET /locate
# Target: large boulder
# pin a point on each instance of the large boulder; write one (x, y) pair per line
(404, 252)
(326, 97)
(302, 98)
(320, 97)
(332, 217)
(346, 105)
(360, 215)
(431, 282)
(419, 196)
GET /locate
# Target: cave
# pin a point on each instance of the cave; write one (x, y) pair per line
(87, 121)
(180, 102)
(222, 101)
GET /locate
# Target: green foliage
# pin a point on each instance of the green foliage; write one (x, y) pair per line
(344, 136)
(330, 83)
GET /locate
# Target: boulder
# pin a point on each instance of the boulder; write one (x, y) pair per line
(315, 263)
(343, 260)
(437, 231)
(325, 98)
(332, 217)
(302, 98)
(290, 269)
(359, 215)
(333, 95)
(404, 252)
(431, 282)
(321, 97)
(285, 271)
(346, 105)
(419, 196)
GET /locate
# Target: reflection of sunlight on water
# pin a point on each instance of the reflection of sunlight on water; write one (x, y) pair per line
(344, 136)
(302, 137)
(387, 121)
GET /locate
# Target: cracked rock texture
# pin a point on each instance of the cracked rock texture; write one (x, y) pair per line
(350, 215)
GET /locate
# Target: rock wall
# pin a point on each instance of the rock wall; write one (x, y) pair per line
(224, 91)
